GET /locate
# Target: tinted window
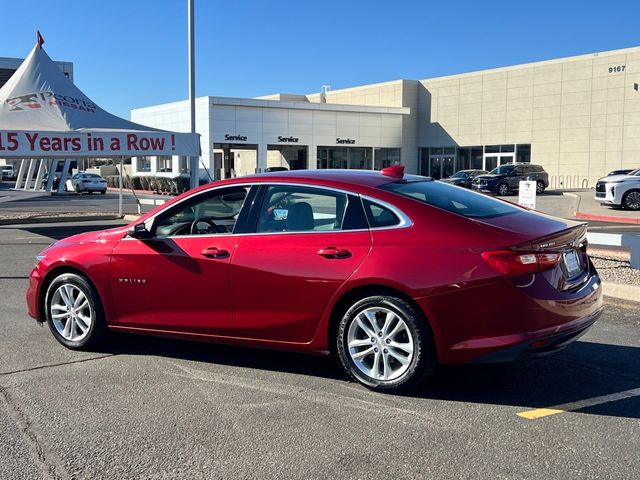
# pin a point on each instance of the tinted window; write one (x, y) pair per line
(502, 170)
(298, 209)
(456, 200)
(379, 216)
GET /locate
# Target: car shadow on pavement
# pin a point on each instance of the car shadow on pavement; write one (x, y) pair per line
(581, 372)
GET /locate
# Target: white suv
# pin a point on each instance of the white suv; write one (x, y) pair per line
(8, 172)
(620, 190)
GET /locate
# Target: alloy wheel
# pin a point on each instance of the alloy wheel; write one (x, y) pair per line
(503, 189)
(539, 188)
(380, 343)
(71, 312)
(632, 200)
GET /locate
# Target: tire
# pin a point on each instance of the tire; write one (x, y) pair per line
(503, 189)
(102, 192)
(403, 357)
(78, 189)
(88, 327)
(539, 187)
(631, 200)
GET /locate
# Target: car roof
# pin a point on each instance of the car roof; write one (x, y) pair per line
(365, 178)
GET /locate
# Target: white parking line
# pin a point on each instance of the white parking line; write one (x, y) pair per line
(589, 402)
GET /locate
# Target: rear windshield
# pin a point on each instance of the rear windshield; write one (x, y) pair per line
(453, 199)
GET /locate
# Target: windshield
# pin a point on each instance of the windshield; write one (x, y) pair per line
(456, 200)
(502, 170)
(460, 174)
(635, 172)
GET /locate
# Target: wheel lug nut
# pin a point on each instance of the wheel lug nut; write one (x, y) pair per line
(388, 340)
(379, 334)
(373, 339)
(386, 351)
(375, 349)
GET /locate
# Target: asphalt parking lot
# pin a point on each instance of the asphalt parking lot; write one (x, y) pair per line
(156, 408)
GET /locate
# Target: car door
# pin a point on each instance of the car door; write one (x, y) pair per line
(516, 176)
(308, 241)
(179, 278)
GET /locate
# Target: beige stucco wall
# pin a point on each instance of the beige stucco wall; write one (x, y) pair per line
(580, 119)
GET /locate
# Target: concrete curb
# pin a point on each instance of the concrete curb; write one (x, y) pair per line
(57, 219)
(597, 218)
(630, 293)
(131, 217)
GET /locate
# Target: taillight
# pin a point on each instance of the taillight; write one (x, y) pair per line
(514, 264)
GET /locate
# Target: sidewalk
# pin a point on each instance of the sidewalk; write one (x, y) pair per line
(586, 208)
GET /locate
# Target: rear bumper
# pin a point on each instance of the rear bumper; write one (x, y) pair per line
(543, 342)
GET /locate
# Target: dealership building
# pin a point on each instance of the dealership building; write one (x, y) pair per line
(578, 117)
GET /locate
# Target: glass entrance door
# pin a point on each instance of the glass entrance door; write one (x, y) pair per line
(440, 166)
(493, 160)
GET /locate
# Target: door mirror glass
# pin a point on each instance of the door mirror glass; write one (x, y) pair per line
(139, 231)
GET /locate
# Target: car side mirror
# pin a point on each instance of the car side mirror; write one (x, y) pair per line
(139, 231)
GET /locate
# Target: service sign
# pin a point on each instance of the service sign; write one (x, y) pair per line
(527, 194)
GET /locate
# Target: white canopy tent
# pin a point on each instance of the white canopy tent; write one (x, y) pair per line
(44, 117)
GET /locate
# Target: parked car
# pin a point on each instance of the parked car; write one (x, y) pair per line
(463, 178)
(623, 171)
(506, 178)
(276, 169)
(392, 273)
(8, 172)
(620, 190)
(86, 182)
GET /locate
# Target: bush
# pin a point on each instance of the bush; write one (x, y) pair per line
(173, 186)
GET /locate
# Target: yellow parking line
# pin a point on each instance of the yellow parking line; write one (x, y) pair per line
(568, 407)
(539, 413)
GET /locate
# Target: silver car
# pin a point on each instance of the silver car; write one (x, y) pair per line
(86, 182)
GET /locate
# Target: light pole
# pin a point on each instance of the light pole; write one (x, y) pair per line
(193, 161)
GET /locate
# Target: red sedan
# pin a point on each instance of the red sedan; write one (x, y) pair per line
(391, 273)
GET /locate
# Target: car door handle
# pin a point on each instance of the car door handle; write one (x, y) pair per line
(333, 252)
(214, 252)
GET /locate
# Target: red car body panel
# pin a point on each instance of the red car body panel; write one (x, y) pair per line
(275, 290)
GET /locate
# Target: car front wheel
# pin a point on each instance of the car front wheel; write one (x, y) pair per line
(631, 200)
(385, 344)
(503, 189)
(74, 312)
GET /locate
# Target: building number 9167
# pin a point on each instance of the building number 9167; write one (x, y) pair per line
(619, 68)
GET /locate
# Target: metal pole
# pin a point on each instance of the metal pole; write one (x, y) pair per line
(193, 161)
(120, 212)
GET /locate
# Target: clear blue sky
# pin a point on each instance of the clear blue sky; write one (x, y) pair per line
(132, 53)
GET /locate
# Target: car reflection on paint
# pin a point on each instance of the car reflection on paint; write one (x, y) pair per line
(391, 273)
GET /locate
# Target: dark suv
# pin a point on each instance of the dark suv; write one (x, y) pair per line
(506, 178)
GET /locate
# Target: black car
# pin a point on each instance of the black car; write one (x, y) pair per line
(506, 178)
(463, 178)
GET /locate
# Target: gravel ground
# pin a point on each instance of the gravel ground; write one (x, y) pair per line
(615, 267)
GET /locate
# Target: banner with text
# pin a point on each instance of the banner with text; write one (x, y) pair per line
(26, 144)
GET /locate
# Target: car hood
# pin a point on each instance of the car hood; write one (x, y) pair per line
(95, 236)
(490, 176)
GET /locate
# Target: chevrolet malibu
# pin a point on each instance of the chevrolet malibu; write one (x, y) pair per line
(391, 273)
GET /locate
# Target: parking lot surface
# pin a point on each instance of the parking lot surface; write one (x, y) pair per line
(156, 408)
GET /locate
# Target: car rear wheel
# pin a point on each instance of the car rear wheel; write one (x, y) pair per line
(74, 312)
(102, 192)
(385, 344)
(539, 187)
(631, 200)
(503, 189)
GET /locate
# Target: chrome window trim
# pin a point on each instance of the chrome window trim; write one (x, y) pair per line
(405, 221)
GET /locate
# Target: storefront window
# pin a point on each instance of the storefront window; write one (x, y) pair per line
(144, 164)
(165, 163)
(524, 153)
(184, 164)
(385, 157)
(345, 157)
